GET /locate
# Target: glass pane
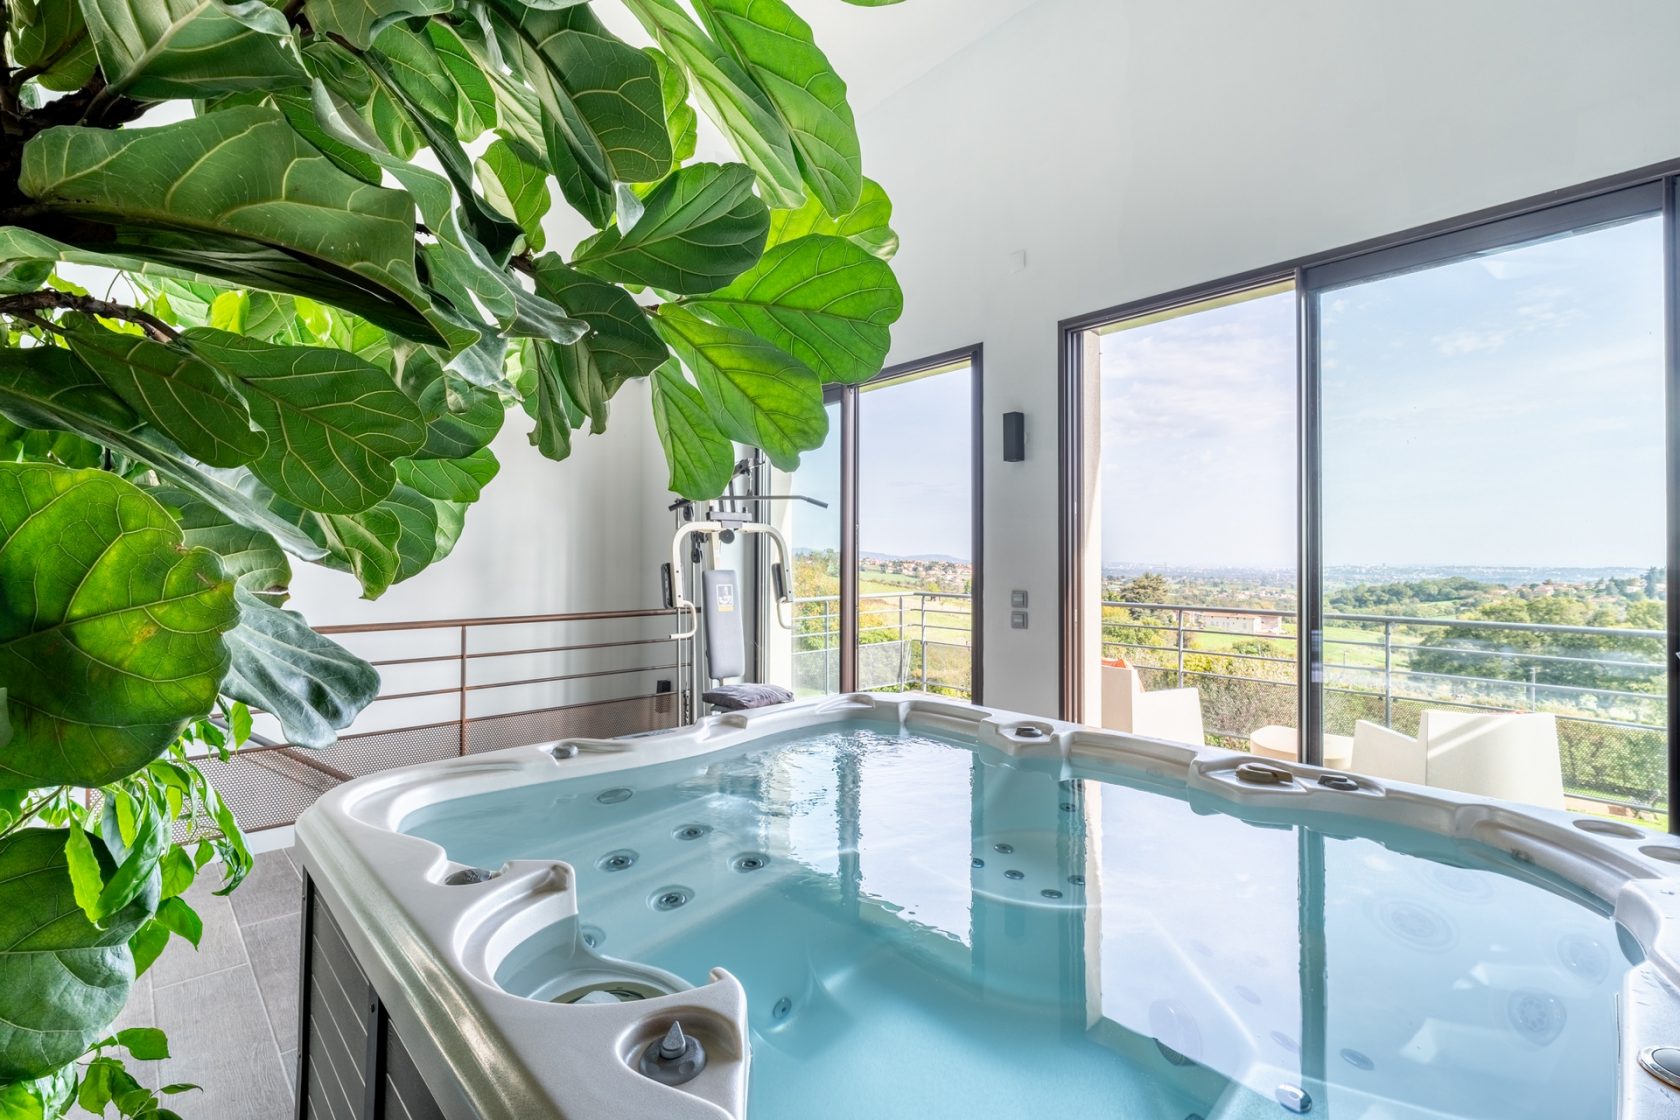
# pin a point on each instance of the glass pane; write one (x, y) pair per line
(1195, 509)
(915, 533)
(1494, 523)
(808, 660)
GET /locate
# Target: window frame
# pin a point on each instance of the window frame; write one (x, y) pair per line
(846, 396)
(1652, 190)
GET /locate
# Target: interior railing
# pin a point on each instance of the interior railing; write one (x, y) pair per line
(453, 687)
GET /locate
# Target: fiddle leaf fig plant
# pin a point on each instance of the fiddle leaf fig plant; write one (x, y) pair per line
(273, 276)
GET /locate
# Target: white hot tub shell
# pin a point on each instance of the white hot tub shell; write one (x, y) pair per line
(432, 950)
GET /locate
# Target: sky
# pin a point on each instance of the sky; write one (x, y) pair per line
(1499, 410)
(915, 465)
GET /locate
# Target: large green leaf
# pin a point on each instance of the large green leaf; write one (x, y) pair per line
(824, 300)
(756, 393)
(65, 978)
(363, 544)
(460, 418)
(475, 98)
(602, 94)
(413, 75)
(108, 651)
(549, 403)
(450, 480)
(620, 341)
(730, 97)
(393, 541)
(464, 272)
(573, 368)
(49, 37)
(867, 225)
(160, 49)
(311, 684)
(701, 458)
(239, 195)
(777, 49)
(52, 388)
(167, 385)
(359, 21)
(250, 557)
(516, 185)
(699, 229)
(681, 121)
(416, 543)
(336, 424)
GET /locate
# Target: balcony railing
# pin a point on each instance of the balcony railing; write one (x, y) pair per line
(907, 640)
(1610, 702)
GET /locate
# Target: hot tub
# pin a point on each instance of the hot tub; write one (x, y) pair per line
(890, 907)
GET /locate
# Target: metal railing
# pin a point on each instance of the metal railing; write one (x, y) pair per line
(444, 674)
(1390, 676)
(899, 648)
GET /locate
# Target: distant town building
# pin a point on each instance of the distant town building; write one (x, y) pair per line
(1231, 623)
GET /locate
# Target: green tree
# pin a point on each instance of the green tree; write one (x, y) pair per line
(329, 278)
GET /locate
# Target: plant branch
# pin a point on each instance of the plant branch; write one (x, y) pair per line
(28, 812)
(23, 306)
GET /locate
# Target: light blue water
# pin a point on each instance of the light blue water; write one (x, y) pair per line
(941, 932)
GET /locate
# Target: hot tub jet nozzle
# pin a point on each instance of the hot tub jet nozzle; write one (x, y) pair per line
(675, 1059)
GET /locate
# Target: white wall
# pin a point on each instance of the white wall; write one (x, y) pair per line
(1132, 147)
(586, 534)
(545, 537)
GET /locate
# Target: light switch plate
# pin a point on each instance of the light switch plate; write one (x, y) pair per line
(1018, 620)
(1018, 599)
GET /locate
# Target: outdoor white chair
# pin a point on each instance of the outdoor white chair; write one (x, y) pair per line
(1173, 714)
(1382, 752)
(1512, 756)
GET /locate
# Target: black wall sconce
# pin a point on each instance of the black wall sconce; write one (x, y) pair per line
(1014, 437)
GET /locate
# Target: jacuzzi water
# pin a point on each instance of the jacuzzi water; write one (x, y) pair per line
(927, 929)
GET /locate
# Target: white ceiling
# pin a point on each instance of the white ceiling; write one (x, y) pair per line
(878, 51)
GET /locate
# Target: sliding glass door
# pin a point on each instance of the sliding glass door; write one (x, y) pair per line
(1194, 510)
(1463, 450)
(1492, 511)
(807, 657)
(886, 578)
(916, 487)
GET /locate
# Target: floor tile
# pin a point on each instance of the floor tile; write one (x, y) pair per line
(219, 948)
(220, 1040)
(273, 947)
(271, 890)
(288, 1066)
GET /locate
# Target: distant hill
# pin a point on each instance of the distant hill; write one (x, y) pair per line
(1356, 574)
(923, 558)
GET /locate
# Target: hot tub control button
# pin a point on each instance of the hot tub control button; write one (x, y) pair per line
(467, 876)
(1338, 782)
(1258, 773)
(1662, 1063)
(1294, 1098)
(675, 1059)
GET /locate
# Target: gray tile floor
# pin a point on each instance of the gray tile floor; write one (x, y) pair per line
(230, 1009)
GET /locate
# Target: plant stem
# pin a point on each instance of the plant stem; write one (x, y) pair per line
(28, 813)
(46, 299)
